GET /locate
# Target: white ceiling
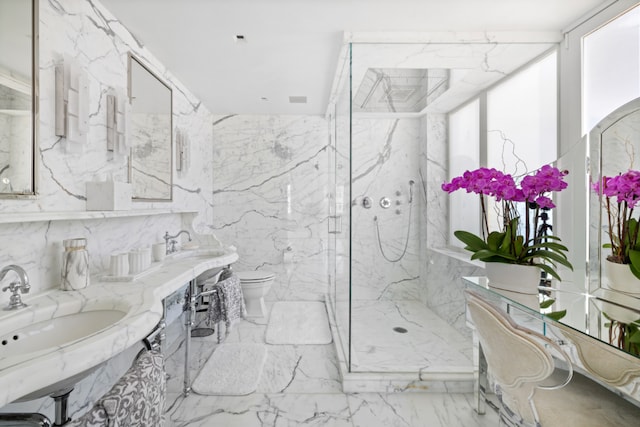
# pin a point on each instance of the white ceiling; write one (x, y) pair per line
(292, 46)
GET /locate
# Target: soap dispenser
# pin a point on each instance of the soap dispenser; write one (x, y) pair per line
(75, 264)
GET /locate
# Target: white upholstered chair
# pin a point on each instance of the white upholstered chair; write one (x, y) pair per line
(521, 364)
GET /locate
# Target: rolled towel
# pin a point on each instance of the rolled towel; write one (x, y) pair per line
(137, 399)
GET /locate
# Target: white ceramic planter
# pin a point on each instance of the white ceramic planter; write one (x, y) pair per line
(522, 279)
(618, 313)
(620, 278)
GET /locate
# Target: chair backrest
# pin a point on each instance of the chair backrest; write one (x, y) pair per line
(516, 356)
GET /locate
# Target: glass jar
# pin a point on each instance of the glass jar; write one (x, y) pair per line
(75, 264)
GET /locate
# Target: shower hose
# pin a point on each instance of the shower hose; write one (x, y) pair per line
(406, 242)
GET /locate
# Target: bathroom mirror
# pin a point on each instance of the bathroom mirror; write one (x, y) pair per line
(614, 149)
(150, 135)
(18, 97)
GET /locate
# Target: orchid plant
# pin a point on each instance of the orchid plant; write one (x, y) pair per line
(517, 241)
(621, 195)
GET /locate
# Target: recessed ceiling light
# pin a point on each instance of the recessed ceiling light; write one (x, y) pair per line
(298, 99)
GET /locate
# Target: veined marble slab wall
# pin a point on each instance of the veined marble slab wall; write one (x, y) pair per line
(152, 159)
(85, 31)
(15, 155)
(270, 178)
(384, 160)
(444, 288)
(99, 43)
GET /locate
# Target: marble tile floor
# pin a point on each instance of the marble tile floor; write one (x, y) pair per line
(388, 334)
(300, 386)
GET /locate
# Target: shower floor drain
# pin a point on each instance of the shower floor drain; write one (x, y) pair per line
(400, 330)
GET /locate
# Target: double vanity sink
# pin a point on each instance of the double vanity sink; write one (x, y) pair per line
(61, 336)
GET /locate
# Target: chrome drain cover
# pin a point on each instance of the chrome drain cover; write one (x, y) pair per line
(400, 330)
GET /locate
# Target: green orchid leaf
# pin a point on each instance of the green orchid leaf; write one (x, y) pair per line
(633, 227)
(634, 258)
(550, 271)
(635, 337)
(506, 241)
(557, 315)
(548, 303)
(473, 242)
(494, 240)
(518, 246)
(552, 246)
(550, 256)
(488, 255)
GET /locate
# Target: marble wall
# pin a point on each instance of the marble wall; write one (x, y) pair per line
(151, 152)
(33, 229)
(99, 44)
(384, 159)
(270, 176)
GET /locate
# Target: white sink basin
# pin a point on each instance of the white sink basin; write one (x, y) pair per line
(24, 337)
(197, 253)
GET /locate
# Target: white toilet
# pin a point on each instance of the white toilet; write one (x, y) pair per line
(255, 285)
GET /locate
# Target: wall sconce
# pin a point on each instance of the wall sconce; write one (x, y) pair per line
(72, 101)
(182, 151)
(117, 116)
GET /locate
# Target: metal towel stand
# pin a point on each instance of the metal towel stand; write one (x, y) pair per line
(190, 309)
(24, 419)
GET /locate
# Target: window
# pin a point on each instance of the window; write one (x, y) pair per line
(611, 64)
(464, 154)
(514, 131)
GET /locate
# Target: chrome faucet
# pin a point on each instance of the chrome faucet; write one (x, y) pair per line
(170, 242)
(22, 285)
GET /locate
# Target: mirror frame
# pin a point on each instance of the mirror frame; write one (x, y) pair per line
(35, 110)
(131, 57)
(596, 221)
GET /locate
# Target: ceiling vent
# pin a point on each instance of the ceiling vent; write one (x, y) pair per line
(298, 99)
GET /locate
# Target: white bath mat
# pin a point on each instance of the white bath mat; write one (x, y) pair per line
(298, 322)
(232, 370)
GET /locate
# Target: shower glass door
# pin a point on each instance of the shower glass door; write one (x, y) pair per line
(340, 210)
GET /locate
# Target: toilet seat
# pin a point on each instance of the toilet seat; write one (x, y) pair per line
(254, 276)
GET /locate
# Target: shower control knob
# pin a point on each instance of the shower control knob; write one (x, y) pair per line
(398, 193)
(398, 202)
(366, 202)
(385, 202)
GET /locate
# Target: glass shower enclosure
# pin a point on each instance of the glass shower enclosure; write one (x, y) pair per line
(397, 304)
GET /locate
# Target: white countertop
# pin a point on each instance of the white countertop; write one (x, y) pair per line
(142, 297)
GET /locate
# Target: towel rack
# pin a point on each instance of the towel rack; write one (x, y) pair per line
(190, 309)
(24, 419)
